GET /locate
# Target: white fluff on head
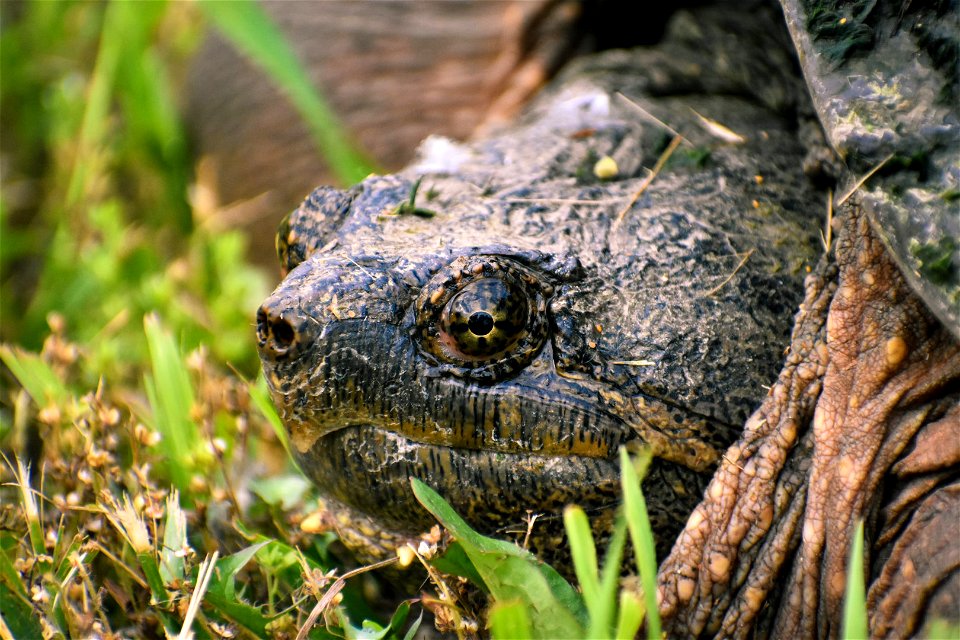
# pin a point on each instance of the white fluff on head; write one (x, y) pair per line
(438, 154)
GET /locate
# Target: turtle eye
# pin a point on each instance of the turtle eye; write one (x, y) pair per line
(485, 318)
(482, 317)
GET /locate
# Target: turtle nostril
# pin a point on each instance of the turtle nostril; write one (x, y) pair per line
(275, 334)
(282, 332)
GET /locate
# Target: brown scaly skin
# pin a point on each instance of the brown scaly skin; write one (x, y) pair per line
(863, 423)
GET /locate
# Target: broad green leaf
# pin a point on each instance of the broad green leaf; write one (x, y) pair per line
(370, 630)
(399, 619)
(945, 629)
(15, 610)
(455, 561)
(511, 573)
(221, 592)
(10, 575)
(509, 620)
(283, 561)
(241, 613)
(286, 490)
(248, 27)
(227, 568)
(279, 558)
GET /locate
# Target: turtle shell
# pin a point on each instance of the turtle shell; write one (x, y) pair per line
(883, 77)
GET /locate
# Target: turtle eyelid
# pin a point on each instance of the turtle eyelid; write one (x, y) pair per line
(309, 227)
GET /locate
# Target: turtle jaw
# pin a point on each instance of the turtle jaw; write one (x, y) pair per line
(364, 474)
(366, 470)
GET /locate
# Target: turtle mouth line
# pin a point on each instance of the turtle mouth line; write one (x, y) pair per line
(368, 468)
(581, 435)
(440, 440)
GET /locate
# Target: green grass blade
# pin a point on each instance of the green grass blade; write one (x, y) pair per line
(95, 115)
(855, 601)
(642, 537)
(123, 43)
(584, 554)
(260, 397)
(151, 571)
(630, 616)
(599, 593)
(252, 32)
(171, 397)
(412, 631)
(35, 376)
(31, 513)
(150, 108)
(610, 577)
(172, 567)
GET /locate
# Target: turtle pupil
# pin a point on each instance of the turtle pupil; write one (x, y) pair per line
(480, 323)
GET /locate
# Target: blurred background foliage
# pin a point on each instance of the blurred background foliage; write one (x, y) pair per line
(133, 444)
(96, 210)
(99, 216)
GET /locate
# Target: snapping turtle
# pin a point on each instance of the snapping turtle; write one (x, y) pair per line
(501, 331)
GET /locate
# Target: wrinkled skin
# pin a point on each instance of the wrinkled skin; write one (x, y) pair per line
(862, 421)
(651, 321)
